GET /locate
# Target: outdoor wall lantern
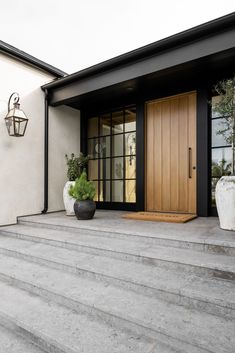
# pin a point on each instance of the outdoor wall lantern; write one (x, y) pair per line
(16, 120)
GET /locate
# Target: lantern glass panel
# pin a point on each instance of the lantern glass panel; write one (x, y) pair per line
(20, 126)
(9, 125)
(16, 126)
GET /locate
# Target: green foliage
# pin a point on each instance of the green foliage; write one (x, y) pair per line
(225, 90)
(225, 108)
(75, 165)
(221, 168)
(83, 189)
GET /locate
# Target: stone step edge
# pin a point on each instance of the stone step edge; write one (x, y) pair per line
(174, 297)
(40, 340)
(120, 323)
(204, 245)
(125, 256)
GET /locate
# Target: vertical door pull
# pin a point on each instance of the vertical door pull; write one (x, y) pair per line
(189, 162)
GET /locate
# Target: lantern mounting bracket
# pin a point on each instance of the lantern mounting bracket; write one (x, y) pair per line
(16, 100)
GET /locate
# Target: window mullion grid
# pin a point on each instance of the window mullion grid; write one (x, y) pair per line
(111, 158)
(124, 159)
(99, 149)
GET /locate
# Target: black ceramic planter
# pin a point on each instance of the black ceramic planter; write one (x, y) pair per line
(84, 209)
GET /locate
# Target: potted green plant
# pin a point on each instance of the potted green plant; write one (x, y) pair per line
(75, 166)
(83, 191)
(225, 188)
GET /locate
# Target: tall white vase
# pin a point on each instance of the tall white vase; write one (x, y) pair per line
(68, 200)
(225, 202)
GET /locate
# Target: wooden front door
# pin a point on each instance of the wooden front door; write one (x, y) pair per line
(171, 154)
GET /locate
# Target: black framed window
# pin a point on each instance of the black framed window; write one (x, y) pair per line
(221, 151)
(112, 155)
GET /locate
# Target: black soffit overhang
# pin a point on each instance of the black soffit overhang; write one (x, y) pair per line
(206, 44)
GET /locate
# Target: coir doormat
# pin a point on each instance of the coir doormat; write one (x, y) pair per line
(160, 217)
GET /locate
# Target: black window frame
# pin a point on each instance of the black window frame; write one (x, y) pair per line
(84, 147)
(213, 208)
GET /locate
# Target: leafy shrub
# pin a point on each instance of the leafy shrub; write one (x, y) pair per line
(75, 165)
(83, 189)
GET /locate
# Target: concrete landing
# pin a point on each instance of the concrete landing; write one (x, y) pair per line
(200, 230)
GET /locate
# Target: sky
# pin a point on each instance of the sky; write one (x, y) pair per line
(75, 34)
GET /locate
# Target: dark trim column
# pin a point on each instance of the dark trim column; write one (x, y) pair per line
(203, 152)
(46, 149)
(83, 133)
(140, 156)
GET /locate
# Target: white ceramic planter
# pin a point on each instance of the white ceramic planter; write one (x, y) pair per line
(68, 200)
(225, 202)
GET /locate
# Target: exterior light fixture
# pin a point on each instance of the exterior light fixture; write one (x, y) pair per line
(16, 120)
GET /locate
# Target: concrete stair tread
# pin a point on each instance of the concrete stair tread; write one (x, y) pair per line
(120, 246)
(65, 328)
(12, 343)
(108, 240)
(97, 293)
(138, 273)
(208, 291)
(78, 330)
(196, 231)
(82, 287)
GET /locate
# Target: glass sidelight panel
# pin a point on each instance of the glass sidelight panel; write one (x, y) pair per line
(105, 147)
(112, 152)
(96, 189)
(130, 167)
(221, 151)
(105, 168)
(105, 125)
(105, 191)
(130, 143)
(218, 139)
(117, 190)
(117, 168)
(93, 147)
(99, 147)
(130, 119)
(130, 191)
(117, 122)
(117, 145)
(93, 169)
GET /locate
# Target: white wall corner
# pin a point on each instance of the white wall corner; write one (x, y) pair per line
(64, 138)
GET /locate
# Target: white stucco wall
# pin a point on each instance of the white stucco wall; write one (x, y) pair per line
(64, 137)
(22, 159)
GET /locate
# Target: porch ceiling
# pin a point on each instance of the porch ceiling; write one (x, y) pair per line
(189, 57)
(162, 83)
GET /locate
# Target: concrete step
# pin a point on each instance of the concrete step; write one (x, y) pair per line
(212, 295)
(200, 263)
(61, 330)
(85, 291)
(131, 323)
(69, 290)
(194, 239)
(11, 342)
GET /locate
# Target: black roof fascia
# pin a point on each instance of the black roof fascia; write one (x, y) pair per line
(182, 38)
(27, 58)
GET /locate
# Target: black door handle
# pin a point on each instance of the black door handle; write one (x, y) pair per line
(189, 162)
